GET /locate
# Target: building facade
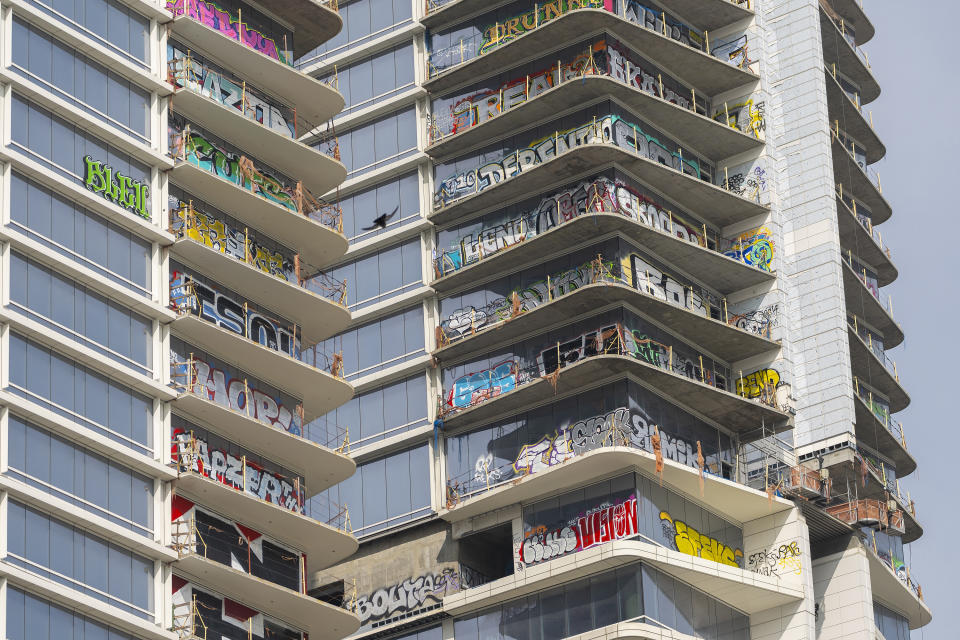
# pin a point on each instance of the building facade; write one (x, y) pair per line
(618, 338)
(162, 243)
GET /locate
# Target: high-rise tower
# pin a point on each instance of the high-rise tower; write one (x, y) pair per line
(162, 246)
(618, 338)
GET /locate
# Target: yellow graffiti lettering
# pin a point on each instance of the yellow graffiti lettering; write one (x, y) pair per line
(756, 384)
(691, 542)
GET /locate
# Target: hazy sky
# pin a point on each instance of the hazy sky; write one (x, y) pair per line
(916, 115)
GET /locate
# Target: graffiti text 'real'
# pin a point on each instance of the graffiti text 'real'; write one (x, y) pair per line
(117, 188)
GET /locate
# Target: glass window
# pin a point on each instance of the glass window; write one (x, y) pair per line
(377, 143)
(81, 314)
(109, 22)
(80, 80)
(363, 20)
(379, 344)
(382, 274)
(376, 504)
(108, 572)
(83, 478)
(80, 394)
(399, 197)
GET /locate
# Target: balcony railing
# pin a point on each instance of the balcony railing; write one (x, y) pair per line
(876, 348)
(184, 149)
(840, 24)
(865, 221)
(870, 513)
(184, 378)
(733, 51)
(599, 271)
(880, 410)
(235, 28)
(851, 148)
(870, 284)
(899, 568)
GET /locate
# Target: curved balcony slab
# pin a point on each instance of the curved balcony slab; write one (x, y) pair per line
(320, 392)
(323, 544)
(869, 368)
(319, 619)
(320, 467)
(317, 244)
(314, 101)
(732, 411)
(315, 316)
(721, 272)
(857, 184)
(852, 10)
(855, 235)
(318, 171)
(871, 431)
(701, 70)
(719, 206)
(745, 590)
(836, 50)
(862, 303)
(707, 136)
(736, 501)
(315, 21)
(894, 594)
(841, 109)
(726, 341)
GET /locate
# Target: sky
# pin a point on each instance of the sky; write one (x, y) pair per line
(916, 117)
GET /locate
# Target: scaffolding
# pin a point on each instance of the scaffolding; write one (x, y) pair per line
(188, 624)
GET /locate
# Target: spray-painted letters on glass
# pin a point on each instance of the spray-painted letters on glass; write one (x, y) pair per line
(688, 540)
(234, 26)
(116, 187)
(603, 523)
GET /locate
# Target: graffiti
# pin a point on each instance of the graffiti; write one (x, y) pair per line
(238, 395)
(609, 129)
(412, 594)
(186, 294)
(754, 385)
(469, 319)
(484, 469)
(204, 78)
(754, 247)
(688, 540)
(225, 618)
(239, 473)
(116, 187)
(760, 322)
(778, 561)
(606, 341)
(501, 33)
(236, 243)
(598, 196)
(547, 452)
(747, 183)
(745, 116)
(211, 15)
(483, 385)
(654, 20)
(601, 524)
(651, 280)
(226, 164)
(734, 52)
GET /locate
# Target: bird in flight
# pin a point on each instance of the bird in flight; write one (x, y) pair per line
(381, 221)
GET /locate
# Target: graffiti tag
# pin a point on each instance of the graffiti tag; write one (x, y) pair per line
(601, 524)
(688, 540)
(114, 186)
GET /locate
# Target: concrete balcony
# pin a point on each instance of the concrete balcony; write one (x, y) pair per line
(736, 413)
(324, 545)
(848, 468)
(318, 171)
(319, 390)
(725, 340)
(711, 14)
(318, 244)
(853, 233)
(862, 302)
(320, 466)
(313, 100)
(868, 366)
(895, 593)
(852, 10)
(701, 70)
(849, 61)
(745, 590)
(317, 618)
(855, 183)
(840, 108)
(721, 272)
(709, 137)
(316, 316)
(717, 205)
(885, 436)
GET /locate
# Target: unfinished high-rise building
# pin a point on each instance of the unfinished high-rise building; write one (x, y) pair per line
(163, 235)
(618, 339)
